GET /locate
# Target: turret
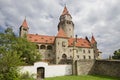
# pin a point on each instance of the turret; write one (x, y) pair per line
(23, 29)
(66, 23)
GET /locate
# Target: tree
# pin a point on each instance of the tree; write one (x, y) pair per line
(116, 54)
(15, 51)
(9, 59)
(28, 50)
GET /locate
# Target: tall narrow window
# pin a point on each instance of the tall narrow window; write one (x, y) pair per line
(78, 56)
(89, 57)
(83, 51)
(88, 51)
(84, 57)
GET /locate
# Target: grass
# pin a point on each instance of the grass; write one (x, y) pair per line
(84, 77)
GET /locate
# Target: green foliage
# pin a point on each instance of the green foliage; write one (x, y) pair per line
(15, 51)
(28, 51)
(84, 77)
(26, 76)
(8, 66)
(116, 54)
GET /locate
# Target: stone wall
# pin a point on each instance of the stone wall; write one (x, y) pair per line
(104, 67)
(100, 67)
(84, 67)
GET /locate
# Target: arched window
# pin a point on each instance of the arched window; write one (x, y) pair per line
(42, 47)
(64, 56)
(49, 47)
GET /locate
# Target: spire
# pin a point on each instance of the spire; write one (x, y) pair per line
(87, 39)
(65, 11)
(61, 33)
(24, 24)
(93, 39)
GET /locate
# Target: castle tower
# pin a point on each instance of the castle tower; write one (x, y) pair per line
(23, 29)
(66, 23)
(61, 45)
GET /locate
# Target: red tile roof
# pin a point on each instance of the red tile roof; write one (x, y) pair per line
(41, 38)
(24, 24)
(65, 11)
(80, 42)
(61, 33)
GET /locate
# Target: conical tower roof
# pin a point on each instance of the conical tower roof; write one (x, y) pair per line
(65, 11)
(24, 24)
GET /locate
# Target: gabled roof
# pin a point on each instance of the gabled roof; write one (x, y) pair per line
(40, 38)
(65, 11)
(24, 24)
(93, 40)
(80, 42)
(61, 33)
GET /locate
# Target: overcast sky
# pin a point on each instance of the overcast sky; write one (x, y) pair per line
(100, 17)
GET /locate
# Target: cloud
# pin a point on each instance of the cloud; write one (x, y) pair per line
(102, 18)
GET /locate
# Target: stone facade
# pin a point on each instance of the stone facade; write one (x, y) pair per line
(62, 48)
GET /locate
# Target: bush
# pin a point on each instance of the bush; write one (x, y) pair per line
(26, 76)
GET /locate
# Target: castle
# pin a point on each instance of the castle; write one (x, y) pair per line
(64, 47)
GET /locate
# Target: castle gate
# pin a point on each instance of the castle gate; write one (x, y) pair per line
(40, 73)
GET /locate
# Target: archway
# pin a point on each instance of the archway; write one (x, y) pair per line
(64, 56)
(40, 73)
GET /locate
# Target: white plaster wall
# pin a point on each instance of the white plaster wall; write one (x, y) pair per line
(30, 69)
(50, 70)
(58, 70)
